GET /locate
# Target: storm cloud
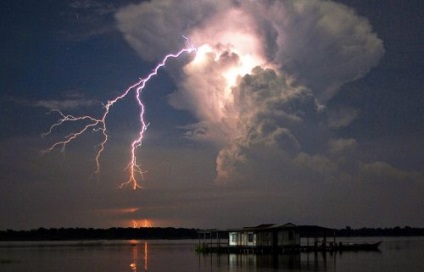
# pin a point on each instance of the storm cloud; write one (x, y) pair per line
(299, 55)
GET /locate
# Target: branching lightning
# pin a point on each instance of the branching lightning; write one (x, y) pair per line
(99, 124)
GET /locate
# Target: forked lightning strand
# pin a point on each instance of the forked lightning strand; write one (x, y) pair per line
(99, 124)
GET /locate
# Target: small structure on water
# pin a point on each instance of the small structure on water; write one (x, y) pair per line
(265, 236)
(271, 238)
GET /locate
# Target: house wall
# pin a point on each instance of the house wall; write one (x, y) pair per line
(232, 239)
(288, 238)
(264, 239)
(242, 239)
(282, 237)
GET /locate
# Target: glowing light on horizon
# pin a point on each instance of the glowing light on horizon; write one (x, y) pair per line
(141, 223)
(99, 124)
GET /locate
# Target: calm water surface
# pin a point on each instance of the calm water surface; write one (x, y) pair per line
(396, 254)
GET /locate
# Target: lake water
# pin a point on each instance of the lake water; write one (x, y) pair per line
(396, 254)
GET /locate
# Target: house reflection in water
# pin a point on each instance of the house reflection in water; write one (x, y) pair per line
(301, 261)
(283, 261)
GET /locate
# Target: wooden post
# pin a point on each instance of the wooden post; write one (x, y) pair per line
(324, 242)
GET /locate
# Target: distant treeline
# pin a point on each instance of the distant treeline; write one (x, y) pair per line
(97, 234)
(166, 233)
(396, 231)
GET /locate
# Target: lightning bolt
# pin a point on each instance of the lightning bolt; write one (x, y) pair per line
(99, 124)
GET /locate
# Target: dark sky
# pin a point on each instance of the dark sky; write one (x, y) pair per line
(331, 134)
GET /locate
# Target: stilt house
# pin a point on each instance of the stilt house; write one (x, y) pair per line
(265, 236)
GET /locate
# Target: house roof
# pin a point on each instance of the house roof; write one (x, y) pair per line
(264, 227)
(313, 230)
(303, 230)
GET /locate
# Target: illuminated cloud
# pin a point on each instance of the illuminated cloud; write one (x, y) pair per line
(262, 76)
(154, 28)
(323, 44)
(272, 114)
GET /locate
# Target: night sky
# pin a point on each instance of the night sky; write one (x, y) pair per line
(327, 128)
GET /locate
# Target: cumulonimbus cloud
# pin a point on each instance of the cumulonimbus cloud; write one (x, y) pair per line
(263, 72)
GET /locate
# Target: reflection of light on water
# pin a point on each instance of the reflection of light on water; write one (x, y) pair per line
(145, 256)
(135, 245)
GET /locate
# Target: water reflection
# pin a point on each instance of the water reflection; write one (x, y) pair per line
(135, 259)
(145, 256)
(250, 261)
(312, 261)
(397, 254)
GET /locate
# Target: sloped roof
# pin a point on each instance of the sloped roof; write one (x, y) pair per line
(303, 230)
(265, 227)
(313, 230)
